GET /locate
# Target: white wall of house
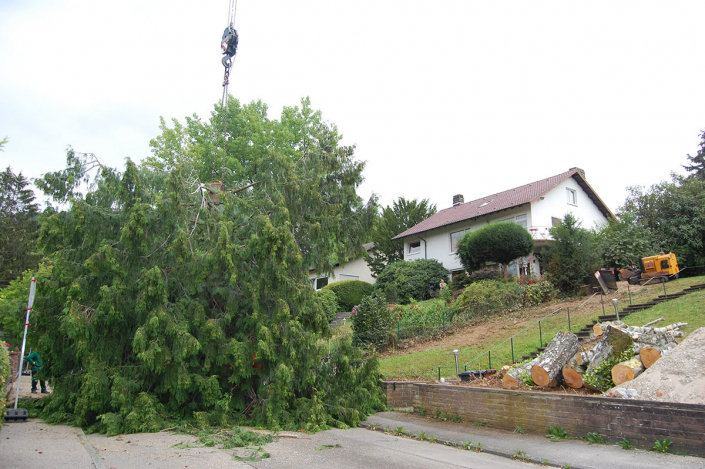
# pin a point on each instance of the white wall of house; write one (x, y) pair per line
(556, 205)
(356, 269)
(439, 241)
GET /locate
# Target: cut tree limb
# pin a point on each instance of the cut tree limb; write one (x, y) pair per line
(559, 351)
(627, 370)
(654, 321)
(515, 377)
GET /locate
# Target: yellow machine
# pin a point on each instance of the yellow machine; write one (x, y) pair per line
(662, 265)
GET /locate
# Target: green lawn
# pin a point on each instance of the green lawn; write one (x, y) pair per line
(498, 329)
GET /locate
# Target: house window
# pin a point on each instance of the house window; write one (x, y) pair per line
(454, 238)
(319, 283)
(556, 221)
(521, 220)
(415, 247)
(572, 197)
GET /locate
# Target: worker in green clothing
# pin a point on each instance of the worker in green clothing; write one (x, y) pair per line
(35, 360)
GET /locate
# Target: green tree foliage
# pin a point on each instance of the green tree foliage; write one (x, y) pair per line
(5, 371)
(13, 306)
(328, 302)
(417, 280)
(395, 219)
(675, 212)
(18, 226)
(697, 162)
(171, 298)
(623, 241)
(372, 320)
(499, 242)
(572, 256)
(349, 293)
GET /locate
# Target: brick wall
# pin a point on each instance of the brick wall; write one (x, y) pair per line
(642, 422)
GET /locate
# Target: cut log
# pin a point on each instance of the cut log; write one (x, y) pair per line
(573, 376)
(559, 351)
(613, 342)
(649, 356)
(515, 377)
(627, 370)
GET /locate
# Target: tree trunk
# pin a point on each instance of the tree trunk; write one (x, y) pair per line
(613, 342)
(649, 356)
(627, 371)
(573, 376)
(550, 363)
(514, 377)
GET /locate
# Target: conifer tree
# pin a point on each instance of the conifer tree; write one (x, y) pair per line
(172, 296)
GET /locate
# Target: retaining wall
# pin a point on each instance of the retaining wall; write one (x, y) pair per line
(642, 422)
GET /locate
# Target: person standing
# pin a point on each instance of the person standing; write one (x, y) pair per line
(36, 361)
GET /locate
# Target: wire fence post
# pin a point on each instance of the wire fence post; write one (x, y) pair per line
(398, 335)
(540, 336)
(489, 360)
(439, 373)
(663, 281)
(602, 298)
(568, 308)
(512, 342)
(444, 322)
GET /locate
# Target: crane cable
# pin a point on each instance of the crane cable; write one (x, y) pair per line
(232, 10)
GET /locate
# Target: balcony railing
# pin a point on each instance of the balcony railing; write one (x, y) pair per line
(540, 233)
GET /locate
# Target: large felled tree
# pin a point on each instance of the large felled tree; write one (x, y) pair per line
(395, 219)
(171, 297)
(18, 226)
(498, 242)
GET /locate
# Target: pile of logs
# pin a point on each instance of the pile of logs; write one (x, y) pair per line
(562, 361)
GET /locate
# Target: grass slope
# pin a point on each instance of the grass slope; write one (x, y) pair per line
(495, 330)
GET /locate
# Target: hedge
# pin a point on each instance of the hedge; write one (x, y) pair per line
(349, 293)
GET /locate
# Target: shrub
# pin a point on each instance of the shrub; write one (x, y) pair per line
(491, 296)
(349, 292)
(572, 256)
(499, 242)
(4, 376)
(328, 302)
(538, 293)
(486, 273)
(372, 320)
(402, 281)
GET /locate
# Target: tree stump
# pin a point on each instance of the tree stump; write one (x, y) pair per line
(627, 370)
(559, 351)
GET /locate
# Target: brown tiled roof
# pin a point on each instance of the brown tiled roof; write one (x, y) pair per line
(502, 201)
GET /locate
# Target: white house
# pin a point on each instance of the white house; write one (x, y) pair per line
(356, 269)
(537, 207)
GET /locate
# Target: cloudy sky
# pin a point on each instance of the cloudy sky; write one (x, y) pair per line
(440, 98)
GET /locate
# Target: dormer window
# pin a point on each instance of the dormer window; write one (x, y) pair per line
(484, 204)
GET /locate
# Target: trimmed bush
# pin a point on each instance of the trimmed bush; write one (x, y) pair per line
(349, 293)
(499, 242)
(418, 280)
(328, 301)
(372, 321)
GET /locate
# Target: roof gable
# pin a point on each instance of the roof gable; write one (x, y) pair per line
(502, 201)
